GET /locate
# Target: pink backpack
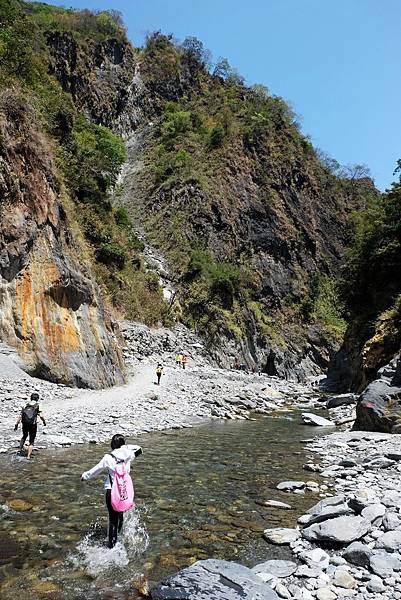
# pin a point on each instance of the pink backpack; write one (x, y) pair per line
(122, 489)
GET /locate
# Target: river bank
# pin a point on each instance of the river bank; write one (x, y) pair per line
(346, 546)
(184, 398)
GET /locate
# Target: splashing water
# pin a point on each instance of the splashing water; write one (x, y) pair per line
(94, 556)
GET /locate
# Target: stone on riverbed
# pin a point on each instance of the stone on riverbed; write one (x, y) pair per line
(341, 530)
(328, 508)
(383, 564)
(358, 554)
(277, 568)
(390, 541)
(315, 558)
(290, 486)
(316, 420)
(281, 535)
(217, 579)
(374, 513)
(274, 504)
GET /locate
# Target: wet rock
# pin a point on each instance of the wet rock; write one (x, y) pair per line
(281, 536)
(341, 530)
(20, 505)
(45, 589)
(277, 568)
(274, 504)
(290, 486)
(316, 420)
(217, 579)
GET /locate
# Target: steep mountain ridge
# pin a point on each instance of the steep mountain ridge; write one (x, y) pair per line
(218, 179)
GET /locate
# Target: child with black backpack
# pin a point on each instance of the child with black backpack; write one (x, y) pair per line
(29, 417)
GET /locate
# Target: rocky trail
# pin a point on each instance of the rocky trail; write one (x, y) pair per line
(184, 397)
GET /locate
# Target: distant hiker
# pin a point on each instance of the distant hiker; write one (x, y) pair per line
(184, 361)
(178, 358)
(118, 483)
(29, 417)
(159, 372)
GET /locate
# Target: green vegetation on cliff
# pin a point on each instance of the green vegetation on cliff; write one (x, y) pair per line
(252, 219)
(231, 183)
(372, 279)
(87, 157)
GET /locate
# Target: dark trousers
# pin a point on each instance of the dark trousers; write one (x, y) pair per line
(115, 521)
(158, 378)
(28, 430)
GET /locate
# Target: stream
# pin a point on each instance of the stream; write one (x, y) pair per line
(197, 493)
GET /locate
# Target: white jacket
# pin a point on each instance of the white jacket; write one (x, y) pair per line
(127, 453)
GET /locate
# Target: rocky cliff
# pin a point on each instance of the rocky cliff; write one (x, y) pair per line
(253, 226)
(219, 179)
(50, 308)
(372, 291)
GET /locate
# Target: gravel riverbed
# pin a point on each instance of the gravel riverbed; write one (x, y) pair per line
(347, 545)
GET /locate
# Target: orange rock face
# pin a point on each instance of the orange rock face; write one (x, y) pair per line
(50, 308)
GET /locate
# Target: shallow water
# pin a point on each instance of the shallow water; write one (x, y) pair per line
(196, 493)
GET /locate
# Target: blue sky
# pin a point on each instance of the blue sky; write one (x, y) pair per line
(335, 61)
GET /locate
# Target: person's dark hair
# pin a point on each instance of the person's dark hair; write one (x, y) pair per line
(35, 397)
(117, 441)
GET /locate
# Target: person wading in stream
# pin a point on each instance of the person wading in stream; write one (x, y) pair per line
(121, 454)
(29, 417)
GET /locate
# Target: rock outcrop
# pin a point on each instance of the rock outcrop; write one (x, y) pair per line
(379, 406)
(217, 579)
(50, 308)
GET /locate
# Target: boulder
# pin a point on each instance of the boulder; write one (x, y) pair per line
(341, 400)
(341, 530)
(358, 554)
(329, 508)
(316, 420)
(390, 541)
(277, 568)
(384, 564)
(281, 535)
(217, 579)
(378, 408)
(374, 513)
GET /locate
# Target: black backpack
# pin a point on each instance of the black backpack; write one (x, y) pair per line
(29, 414)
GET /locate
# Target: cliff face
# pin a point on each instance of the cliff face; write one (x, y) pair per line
(258, 199)
(218, 179)
(50, 308)
(372, 289)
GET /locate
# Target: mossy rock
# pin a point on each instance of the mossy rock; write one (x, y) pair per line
(20, 505)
